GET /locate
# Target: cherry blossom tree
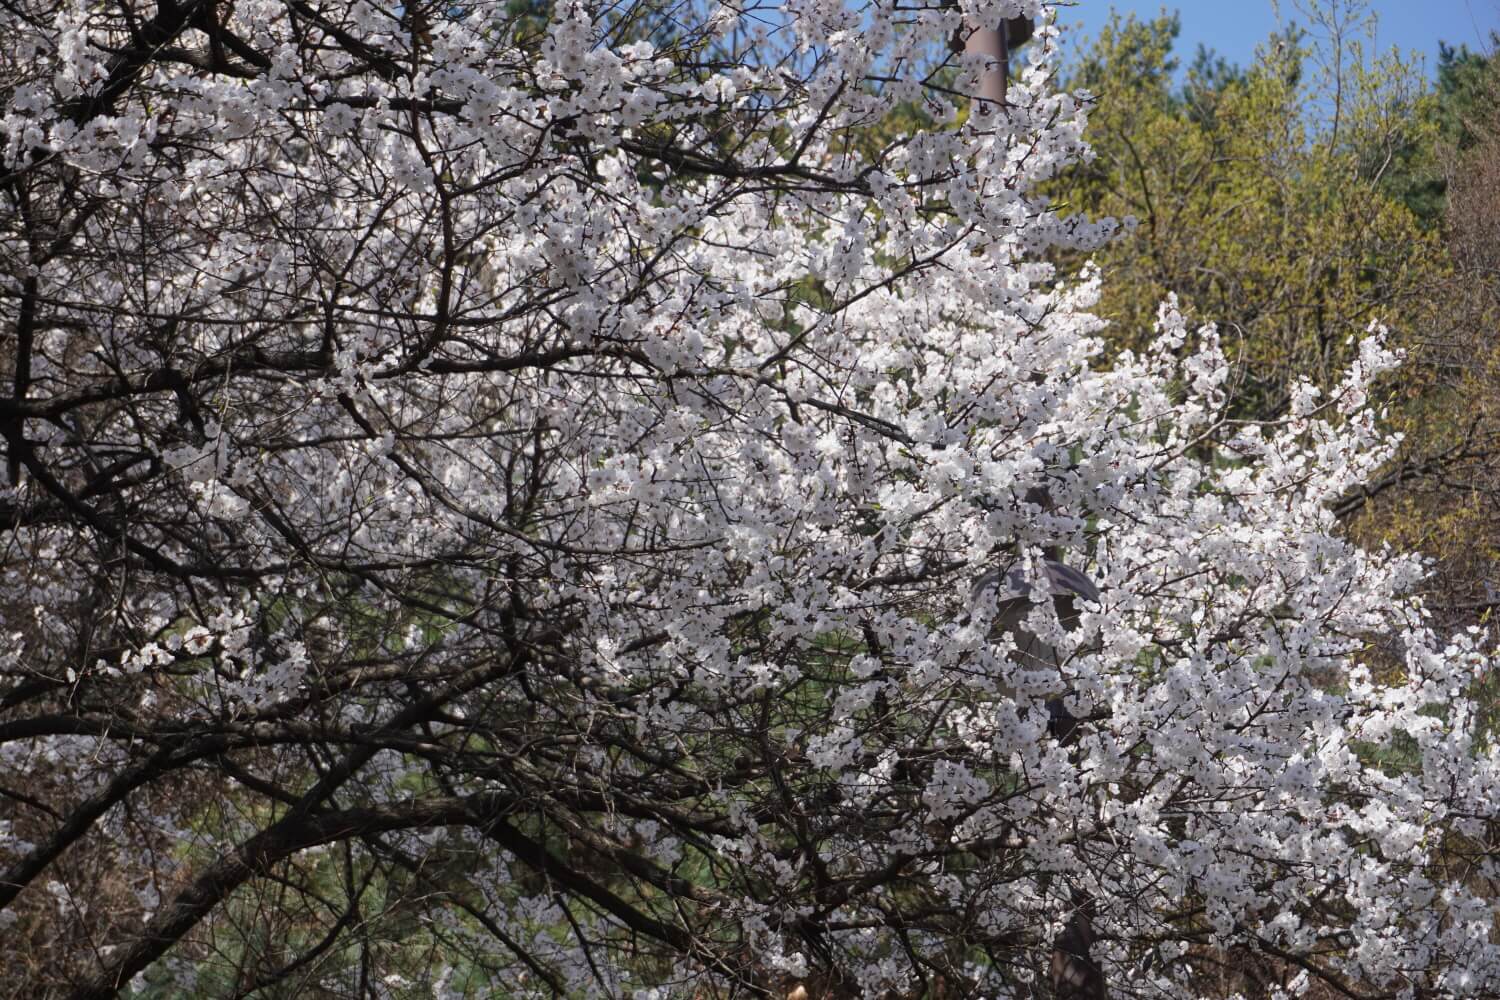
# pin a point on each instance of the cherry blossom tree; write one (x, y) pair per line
(494, 499)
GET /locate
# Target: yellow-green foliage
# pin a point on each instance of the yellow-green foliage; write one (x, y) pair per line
(1262, 200)
(1296, 202)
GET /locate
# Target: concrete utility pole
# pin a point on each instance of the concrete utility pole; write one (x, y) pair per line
(1073, 972)
(996, 43)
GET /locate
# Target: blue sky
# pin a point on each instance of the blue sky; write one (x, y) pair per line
(1234, 27)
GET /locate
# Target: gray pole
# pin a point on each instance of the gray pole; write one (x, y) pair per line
(996, 43)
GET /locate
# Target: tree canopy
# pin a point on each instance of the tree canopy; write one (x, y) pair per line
(508, 500)
(1292, 201)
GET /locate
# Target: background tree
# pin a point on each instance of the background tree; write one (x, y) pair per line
(1251, 204)
(1442, 498)
(1293, 202)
